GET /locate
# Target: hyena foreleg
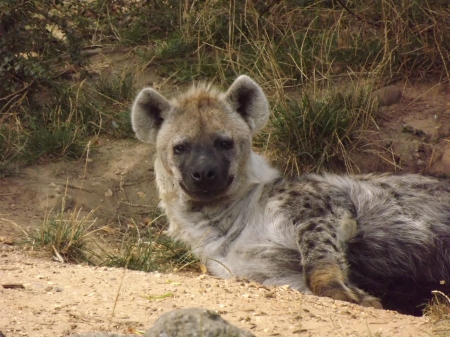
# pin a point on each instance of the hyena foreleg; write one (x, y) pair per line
(322, 242)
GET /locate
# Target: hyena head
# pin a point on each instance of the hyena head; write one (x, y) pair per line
(203, 138)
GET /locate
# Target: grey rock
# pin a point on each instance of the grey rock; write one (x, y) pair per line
(388, 95)
(100, 334)
(65, 203)
(190, 322)
(194, 322)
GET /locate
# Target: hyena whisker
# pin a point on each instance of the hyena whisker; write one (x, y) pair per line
(366, 239)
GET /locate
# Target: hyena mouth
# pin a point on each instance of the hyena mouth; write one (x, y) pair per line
(207, 193)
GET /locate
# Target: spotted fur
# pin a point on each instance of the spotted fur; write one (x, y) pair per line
(366, 239)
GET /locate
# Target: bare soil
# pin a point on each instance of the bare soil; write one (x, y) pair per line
(61, 299)
(116, 180)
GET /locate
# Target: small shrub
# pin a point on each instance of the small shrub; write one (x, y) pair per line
(28, 47)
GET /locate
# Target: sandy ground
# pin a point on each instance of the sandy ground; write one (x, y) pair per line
(116, 181)
(61, 299)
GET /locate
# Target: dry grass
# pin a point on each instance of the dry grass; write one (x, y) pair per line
(284, 45)
(315, 49)
(318, 132)
(66, 236)
(438, 310)
(144, 246)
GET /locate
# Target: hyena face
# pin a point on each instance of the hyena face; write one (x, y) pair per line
(203, 138)
(204, 145)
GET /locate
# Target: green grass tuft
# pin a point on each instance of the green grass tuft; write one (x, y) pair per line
(317, 132)
(62, 142)
(118, 88)
(147, 249)
(67, 235)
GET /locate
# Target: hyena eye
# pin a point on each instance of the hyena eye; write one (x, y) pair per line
(179, 149)
(226, 144)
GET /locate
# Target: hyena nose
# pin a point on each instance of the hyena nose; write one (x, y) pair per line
(204, 175)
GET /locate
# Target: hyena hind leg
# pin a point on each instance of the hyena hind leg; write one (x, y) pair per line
(324, 264)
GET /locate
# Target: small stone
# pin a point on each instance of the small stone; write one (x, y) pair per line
(387, 96)
(269, 294)
(65, 203)
(109, 193)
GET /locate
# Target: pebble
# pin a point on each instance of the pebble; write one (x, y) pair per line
(6, 248)
(35, 286)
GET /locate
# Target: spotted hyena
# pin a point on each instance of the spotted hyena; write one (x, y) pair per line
(368, 239)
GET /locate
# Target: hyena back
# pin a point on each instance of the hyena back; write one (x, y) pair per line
(366, 239)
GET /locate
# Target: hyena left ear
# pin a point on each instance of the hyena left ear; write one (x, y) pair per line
(248, 99)
(149, 111)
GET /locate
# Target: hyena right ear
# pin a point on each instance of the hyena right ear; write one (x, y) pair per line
(248, 99)
(149, 111)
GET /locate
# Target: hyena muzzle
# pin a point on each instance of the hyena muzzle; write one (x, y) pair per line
(366, 239)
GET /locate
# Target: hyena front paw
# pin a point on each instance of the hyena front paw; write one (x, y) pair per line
(353, 295)
(330, 281)
(367, 300)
